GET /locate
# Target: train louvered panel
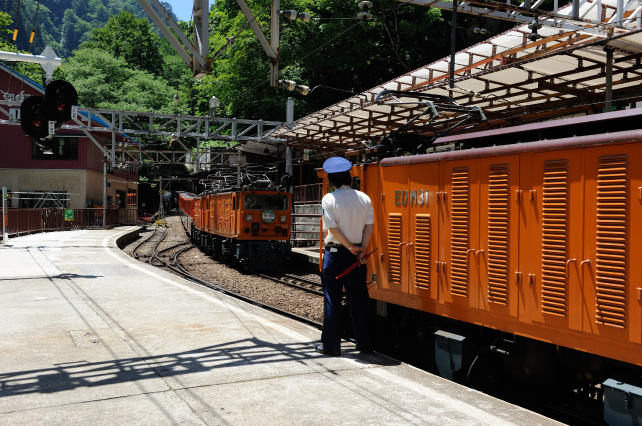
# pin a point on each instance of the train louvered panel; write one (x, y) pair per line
(498, 230)
(422, 251)
(612, 239)
(394, 253)
(555, 238)
(460, 208)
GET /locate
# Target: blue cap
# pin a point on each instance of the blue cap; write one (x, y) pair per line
(336, 165)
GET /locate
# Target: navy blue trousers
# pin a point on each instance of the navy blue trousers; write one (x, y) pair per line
(355, 286)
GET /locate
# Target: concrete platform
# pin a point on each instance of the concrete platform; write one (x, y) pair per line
(92, 337)
(307, 255)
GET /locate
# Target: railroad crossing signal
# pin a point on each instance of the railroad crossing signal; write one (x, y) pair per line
(39, 116)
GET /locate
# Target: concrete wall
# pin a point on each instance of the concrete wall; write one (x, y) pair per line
(81, 185)
(23, 180)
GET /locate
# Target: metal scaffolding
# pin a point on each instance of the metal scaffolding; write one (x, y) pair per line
(102, 126)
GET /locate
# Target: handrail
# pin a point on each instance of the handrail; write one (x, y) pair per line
(27, 221)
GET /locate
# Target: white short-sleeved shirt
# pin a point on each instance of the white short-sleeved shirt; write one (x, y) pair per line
(349, 210)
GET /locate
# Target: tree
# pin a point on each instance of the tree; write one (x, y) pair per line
(336, 51)
(131, 39)
(29, 70)
(103, 81)
(51, 21)
(73, 30)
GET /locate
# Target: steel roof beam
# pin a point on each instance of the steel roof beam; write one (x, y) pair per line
(517, 14)
(193, 56)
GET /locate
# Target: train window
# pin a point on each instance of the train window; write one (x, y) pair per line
(266, 201)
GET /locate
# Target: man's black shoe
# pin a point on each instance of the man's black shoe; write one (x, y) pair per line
(364, 350)
(319, 348)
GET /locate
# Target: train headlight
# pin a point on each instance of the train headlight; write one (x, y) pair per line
(283, 218)
(249, 217)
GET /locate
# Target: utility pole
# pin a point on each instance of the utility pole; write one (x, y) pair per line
(161, 213)
(453, 44)
(105, 194)
(5, 216)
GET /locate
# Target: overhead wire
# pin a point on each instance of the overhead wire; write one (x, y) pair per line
(31, 37)
(230, 40)
(247, 91)
(15, 30)
(505, 98)
(14, 38)
(33, 29)
(298, 62)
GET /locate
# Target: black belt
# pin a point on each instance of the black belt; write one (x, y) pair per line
(335, 245)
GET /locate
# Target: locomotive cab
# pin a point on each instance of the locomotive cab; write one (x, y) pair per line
(264, 227)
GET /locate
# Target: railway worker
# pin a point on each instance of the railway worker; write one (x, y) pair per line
(349, 218)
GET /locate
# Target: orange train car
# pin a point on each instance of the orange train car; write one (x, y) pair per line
(533, 246)
(248, 228)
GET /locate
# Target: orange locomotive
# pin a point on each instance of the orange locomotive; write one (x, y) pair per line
(523, 243)
(248, 227)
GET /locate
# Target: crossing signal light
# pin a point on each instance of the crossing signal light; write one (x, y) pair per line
(36, 111)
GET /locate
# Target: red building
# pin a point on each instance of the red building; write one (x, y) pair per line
(64, 171)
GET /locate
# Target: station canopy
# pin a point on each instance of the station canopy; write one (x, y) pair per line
(570, 68)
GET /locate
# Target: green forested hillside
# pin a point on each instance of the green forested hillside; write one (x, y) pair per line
(63, 24)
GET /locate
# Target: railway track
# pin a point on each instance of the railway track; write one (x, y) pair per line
(293, 281)
(137, 250)
(186, 260)
(175, 265)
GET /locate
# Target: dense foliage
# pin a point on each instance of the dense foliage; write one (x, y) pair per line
(32, 71)
(126, 66)
(131, 39)
(63, 24)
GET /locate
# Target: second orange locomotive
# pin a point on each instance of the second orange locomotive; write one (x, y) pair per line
(246, 227)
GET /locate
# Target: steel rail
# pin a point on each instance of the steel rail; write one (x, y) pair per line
(294, 285)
